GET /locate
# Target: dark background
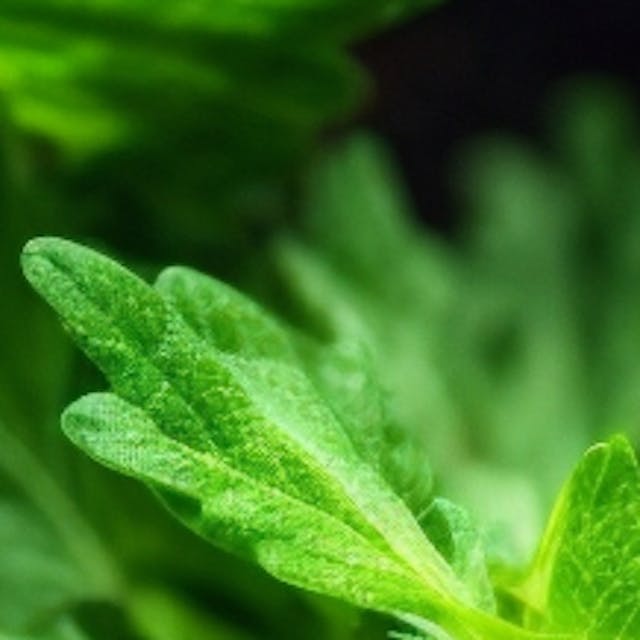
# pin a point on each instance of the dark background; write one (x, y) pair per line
(474, 66)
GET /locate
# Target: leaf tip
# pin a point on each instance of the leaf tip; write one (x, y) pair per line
(77, 416)
(618, 445)
(36, 256)
(41, 245)
(171, 276)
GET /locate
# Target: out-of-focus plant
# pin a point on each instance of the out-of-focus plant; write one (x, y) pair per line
(525, 323)
(198, 106)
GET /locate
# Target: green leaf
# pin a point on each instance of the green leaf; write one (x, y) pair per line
(357, 187)
(345, 373)
(242, 449)
(586, 578)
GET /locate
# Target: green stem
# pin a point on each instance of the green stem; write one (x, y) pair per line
(472, 624)
(460, 622)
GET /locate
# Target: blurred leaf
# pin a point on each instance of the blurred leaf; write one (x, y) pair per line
(548, 339)
(62, 60)
(357, 215)
(237, 89)
(518, 336)
(38, 579)
(30, 389)
(55, 559)
(310, 21)
(595, 131)
(23, 472)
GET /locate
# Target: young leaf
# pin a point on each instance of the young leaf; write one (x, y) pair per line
(241, 447)
(586, 578)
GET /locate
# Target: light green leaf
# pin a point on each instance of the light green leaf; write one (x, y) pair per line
(242, 449)
(345, 372)
(586, 578)
(295, 541)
